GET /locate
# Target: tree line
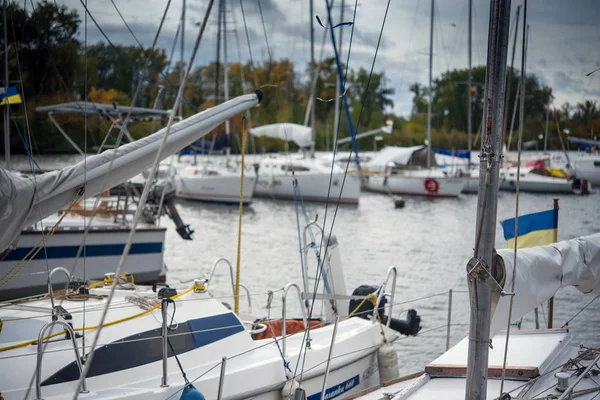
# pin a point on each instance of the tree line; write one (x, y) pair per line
(49, 65)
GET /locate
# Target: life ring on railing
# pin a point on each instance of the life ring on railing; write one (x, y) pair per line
(431, 185)
(255, 331)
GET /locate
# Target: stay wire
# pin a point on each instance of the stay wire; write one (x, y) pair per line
(144, 195)
(320, 266)
(262, 18)
(122, 56)
(249, 45)
(519, 144)
(580, 311)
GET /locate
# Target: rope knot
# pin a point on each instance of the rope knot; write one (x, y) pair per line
(269, 299)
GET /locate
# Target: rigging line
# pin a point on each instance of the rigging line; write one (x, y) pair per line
(238, 47)
(319, 260)
(120, 54)
(579, 312)
(265, 32)
(85, 130)
(121, 131)
(440, 36)
(27, 146)
(125, 22)
(249, 46)
(144, 195)
(28, 133)
(173, 46)
(145, 192)
(337, 133)
(519, 148)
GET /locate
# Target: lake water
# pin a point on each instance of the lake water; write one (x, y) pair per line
(429, 241)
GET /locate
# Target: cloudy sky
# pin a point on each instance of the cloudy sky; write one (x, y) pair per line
(564, 39)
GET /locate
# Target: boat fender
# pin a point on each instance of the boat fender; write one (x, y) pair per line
(191, 393)
(289, 390)
(387, 361)
(299, 394)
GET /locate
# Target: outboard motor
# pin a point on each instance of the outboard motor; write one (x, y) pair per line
(409, 327)
(169, 208)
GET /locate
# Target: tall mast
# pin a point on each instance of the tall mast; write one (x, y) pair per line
(430, 91)
(181, 54)
(225, 72)
(6, 109)
(470, 83)
(312, 77)
(487, 201)
(512, 70)
(336, 113)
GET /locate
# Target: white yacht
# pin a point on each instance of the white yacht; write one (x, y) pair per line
(403, 170)
(539, 180)
(316, 180)
(211, 182)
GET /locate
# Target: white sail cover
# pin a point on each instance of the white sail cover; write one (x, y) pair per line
(26, 200)
(542, 270)
(391, 154)
(299, 134)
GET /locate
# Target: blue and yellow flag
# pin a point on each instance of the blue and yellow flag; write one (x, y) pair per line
(536, 229)
(10, 96)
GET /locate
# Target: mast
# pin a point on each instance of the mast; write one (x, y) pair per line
(182, 72)
(225, 73)
(430, 91)
(6, 109)
(470, 83)
(487, 201)
(312, 76)
(512, 70)
(336, 114)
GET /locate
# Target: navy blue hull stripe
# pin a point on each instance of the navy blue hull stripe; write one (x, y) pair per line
(131, 352)
(90, 250)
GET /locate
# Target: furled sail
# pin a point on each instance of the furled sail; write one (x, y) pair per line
(26, 200)
(542, 270)
(299, 134)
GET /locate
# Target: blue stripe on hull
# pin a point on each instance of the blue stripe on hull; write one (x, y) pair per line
(90, 250)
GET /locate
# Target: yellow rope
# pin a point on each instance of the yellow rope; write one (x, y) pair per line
(89, 328)
(14, 271)
(373, 299)
(236, 299)
(107, 281)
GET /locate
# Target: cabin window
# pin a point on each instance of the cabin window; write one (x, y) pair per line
(596, 163)
(294, 168)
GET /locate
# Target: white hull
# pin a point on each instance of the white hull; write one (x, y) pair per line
(313, 187)
(104, 246)
(588, 168)
(434, 186)
(219, 188)
(537, 184)
(206, 331)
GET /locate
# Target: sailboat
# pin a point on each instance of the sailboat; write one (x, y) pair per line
(212, 181)
(279, 174)
(413, 170)
(504, 286)
(210, 346)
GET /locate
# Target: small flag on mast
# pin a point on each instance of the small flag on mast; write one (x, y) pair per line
(537, 229)
(10, 96)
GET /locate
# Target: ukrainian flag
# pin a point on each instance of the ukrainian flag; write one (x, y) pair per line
(10, 96)
(536, 229)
